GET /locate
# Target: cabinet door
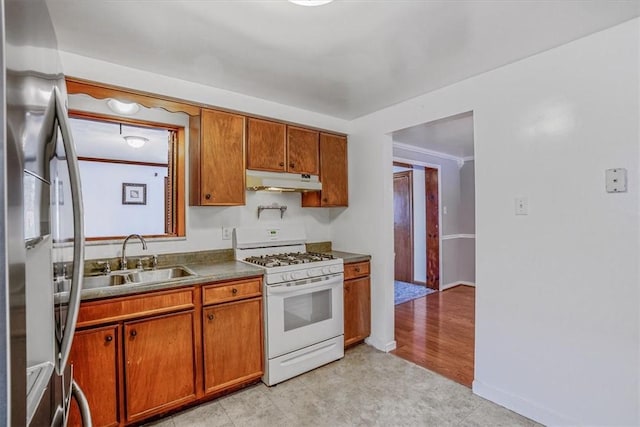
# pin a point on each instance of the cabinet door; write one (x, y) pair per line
(302, 151)
(222, 173)
(333, 174)
(266, 142)
(94, 357)
(159, 364)
(232, 343)
(357, 310)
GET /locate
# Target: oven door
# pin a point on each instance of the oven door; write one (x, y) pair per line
(303, 313)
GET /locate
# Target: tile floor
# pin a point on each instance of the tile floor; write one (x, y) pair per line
(366, 388)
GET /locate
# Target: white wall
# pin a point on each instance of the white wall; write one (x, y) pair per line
(557, 302)
(102, 192)
(204, 224)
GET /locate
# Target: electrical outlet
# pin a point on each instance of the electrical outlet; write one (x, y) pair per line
(226, 233)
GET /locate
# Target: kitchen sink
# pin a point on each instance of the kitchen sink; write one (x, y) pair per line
(128, 277)
(159, 275)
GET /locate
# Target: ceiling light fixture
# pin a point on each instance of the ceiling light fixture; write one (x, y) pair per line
(310, 2)
(136, 141)
(126, 108)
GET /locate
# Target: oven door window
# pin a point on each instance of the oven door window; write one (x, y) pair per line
(307, 309)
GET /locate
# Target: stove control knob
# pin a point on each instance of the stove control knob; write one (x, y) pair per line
(326, 270)
(286, 276)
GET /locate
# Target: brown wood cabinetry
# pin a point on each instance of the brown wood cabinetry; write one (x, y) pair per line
(217, 160)
(333, 174)
(232, 343)
(266, 145)
(357, 302)
(159, 364)
(277, 147)
(97, 369)
(302, 151)
(142, 355)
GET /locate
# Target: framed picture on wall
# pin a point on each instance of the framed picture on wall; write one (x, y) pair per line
(134, 194)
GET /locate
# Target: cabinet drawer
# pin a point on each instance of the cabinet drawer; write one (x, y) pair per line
(230, 291)
(357, 269)
(115, 309)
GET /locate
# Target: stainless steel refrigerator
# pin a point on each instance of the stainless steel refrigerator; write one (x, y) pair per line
(41, 238)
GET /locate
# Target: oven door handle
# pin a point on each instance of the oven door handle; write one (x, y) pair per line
(305, 285)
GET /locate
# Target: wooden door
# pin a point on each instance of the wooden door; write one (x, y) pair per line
(303, 151)
(222, 163)
(266, 145)
(159, 364)
(232, 343)
(357, 310)
(96, 369)
(433, 228)
(403, 225)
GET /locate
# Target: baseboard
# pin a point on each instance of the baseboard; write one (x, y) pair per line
(451, 285)
(386, 347)
(521, 406)
(418, 282)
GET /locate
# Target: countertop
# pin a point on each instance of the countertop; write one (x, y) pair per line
(204, 273)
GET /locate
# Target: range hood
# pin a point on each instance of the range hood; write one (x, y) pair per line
(276, 181)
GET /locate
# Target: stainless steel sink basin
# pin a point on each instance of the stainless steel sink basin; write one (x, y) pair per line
(128, 277)
(159, 275)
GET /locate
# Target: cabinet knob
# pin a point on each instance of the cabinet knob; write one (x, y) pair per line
(281, 163)
(234, 291)
(134, 333)
(325, 200)
(108, 338)
(357, 269)
(292, 165)
(210, 317)
(207, 196)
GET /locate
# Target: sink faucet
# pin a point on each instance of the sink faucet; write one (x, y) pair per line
(123, 260)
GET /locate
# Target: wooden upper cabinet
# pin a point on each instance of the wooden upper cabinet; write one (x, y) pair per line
(303, 151)
(218, 159)
(333, 174)
(266, 145)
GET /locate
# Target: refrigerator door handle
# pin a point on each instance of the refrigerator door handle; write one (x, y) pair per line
(78, 234)
(83, 404)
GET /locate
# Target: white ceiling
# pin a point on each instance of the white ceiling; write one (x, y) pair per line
(452, 135)
(344, 59)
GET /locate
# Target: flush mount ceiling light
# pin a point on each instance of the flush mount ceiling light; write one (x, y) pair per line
(136, 141)
(310, 2)
(126, 108)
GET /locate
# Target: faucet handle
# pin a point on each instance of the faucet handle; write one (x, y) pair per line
(106, 267)
(154, 261)
(139, 265)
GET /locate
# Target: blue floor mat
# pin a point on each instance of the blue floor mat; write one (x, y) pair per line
(403, 292)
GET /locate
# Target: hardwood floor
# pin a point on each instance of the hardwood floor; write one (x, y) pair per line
(437, 332)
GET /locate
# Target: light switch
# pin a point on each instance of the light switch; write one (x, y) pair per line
(616, 180)
(522, 206)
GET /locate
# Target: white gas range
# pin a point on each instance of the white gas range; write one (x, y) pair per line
(303, 300)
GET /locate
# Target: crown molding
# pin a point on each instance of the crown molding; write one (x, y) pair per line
(459, 160)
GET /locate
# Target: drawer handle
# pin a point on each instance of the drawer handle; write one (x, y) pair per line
(210, 316)
(234, 291)
(357, 269)
(134, 333)
(108, 338)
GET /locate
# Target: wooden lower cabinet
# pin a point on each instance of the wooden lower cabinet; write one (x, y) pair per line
(232, 343)
(94, 357)
(159, 364)
(357, 303)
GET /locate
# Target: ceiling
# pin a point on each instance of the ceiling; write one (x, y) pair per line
(452, 135)
(345, 59)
